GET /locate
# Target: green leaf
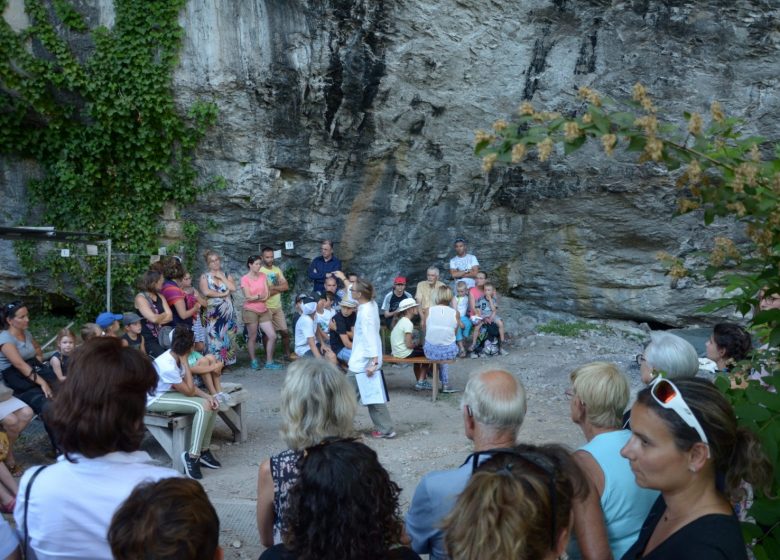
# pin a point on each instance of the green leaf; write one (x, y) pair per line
(599, 119)
(636, 143)
(749, 413)
(574, 145)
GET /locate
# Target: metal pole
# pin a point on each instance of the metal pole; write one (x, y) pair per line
(108, 275)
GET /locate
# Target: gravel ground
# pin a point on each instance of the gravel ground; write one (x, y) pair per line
(430, 435)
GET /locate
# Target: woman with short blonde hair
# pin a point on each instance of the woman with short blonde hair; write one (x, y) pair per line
(317, 402)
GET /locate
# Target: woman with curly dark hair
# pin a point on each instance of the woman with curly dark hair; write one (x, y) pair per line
(728, 345)
(344, 506)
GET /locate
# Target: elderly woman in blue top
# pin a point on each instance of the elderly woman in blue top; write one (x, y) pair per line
(607, 521)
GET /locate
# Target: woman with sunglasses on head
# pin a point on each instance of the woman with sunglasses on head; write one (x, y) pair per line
(516, 506)
(21, 369)
(221, 324)
(686, 443)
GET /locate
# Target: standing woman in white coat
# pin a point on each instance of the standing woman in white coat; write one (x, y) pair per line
(367, 353)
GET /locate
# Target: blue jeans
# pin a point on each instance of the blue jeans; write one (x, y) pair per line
(463, 333)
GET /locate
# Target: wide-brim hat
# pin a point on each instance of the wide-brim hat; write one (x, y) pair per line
(407, 303)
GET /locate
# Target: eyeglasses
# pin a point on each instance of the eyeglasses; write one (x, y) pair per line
(668, 396)
(639, 359)
(536, 460)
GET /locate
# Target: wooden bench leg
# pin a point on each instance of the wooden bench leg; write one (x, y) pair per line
(435, 383)
(234, 418)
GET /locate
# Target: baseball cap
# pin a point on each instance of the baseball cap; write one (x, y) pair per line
(106, 319)
(399, 280)
(130, 318)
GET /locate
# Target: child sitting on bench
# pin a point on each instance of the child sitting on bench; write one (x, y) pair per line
(402, 341)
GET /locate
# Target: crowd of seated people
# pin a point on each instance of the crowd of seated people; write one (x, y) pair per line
(663, 479)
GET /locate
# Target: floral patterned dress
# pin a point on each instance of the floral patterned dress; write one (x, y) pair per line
(284, 472)
(221, 325)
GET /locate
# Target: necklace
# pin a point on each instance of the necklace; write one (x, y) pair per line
(668, 519)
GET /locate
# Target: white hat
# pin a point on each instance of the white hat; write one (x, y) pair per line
(308, 308)
(407, 303)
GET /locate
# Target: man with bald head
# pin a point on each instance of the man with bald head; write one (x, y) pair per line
(493, 408)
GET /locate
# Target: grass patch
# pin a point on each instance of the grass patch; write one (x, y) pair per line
(573, 328)
(44, 326)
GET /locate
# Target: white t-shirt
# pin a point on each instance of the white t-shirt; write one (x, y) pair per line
(324, 320)
(168, 374)
(71, 504)
(464, 264)
(8, 539)
(366, 342)
(440, 325)
(304, 329)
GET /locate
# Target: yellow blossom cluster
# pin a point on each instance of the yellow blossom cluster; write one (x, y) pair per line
(500, 125)
(717, 112)
(640, 95)
(654, 148)
(745, 175)
(587, 119)
(678, 270)
(518, 153)
(724, 249)
(545, 148)
(738, 208)
(695, 124)
(482, 136)
(526, 108)
(693, 172)
(571, 131)
(686, 205)
(488, 161)
(755, 154)
(762, 237)
(590, 96)
(609, 141)
(649, 123)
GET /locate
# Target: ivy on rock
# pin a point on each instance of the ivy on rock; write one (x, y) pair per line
(104, 126)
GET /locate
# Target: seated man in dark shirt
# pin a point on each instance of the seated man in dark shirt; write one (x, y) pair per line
(392, 300)
(341, 330)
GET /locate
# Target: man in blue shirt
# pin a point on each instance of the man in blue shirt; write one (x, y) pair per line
(324, 266)
(493, 410)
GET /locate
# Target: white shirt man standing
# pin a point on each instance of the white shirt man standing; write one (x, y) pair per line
(463, 266)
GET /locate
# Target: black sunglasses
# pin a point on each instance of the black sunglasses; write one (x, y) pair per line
(537, 460)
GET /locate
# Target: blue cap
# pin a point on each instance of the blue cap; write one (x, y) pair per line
(106, 319)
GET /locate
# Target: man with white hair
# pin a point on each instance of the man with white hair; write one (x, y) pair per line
(494, 407)
(426, 293)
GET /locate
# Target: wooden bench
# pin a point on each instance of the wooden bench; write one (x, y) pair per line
(390, 359)
(172, 429)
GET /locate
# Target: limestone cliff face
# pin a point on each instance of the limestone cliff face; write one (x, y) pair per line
(354, 120)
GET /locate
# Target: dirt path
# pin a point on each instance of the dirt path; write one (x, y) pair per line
(430, 435)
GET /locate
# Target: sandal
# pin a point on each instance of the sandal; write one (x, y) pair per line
(9, 507)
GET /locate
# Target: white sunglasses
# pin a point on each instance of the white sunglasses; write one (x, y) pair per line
(668, 396)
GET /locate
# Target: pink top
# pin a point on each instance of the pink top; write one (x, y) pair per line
(255, 287)
(475, 293)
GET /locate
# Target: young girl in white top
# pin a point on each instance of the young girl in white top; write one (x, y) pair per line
(440, 327)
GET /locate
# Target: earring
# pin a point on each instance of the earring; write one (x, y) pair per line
(692, 469)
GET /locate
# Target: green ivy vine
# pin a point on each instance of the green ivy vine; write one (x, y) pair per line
(104, 127)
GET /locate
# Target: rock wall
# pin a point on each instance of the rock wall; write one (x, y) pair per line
(354, 120)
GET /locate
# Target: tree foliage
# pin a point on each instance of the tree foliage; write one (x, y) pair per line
(721, 171)
(103, 124)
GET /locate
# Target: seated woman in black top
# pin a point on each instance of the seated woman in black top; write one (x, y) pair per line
(684, 438)
(344, 506)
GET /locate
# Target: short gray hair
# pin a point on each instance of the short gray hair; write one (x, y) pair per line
(674, 356)
(433, 269)
(497, 404)
(317, 402)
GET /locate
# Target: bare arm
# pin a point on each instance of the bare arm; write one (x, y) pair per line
(408, 340)
(56, 366)
(11, 352)
(346, 340)
(589, 526)
(472, 272)
(281, 287)
(142, 305)
(184, 313)
(204, 289)
(265, 504)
